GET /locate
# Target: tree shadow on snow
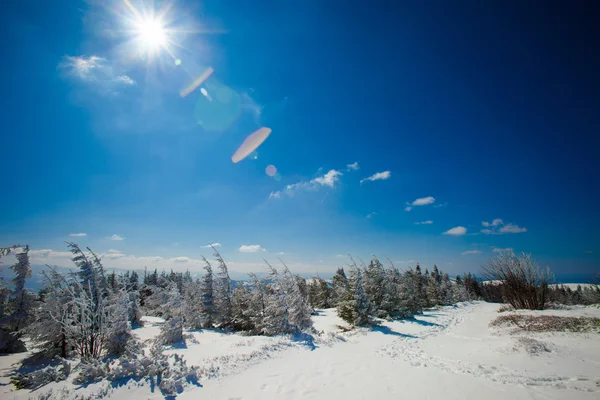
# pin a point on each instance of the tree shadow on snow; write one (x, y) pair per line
(388, 331)
(421, 322)
(305, 339)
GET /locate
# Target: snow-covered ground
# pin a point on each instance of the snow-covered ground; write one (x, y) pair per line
(450, 353)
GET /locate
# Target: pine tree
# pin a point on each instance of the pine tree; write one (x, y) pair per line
(299, 311)
(20, 301)
(48, 329)
(355, 308)
(340, 286)
(241, 308)
(207, 305)
(222, 294)
(374, 285)
(258, 305)
(118, 331)
(172, 330)
(276, 318)
(192, 305)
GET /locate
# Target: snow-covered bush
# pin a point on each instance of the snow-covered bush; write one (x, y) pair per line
(91, 370)
(43, 376)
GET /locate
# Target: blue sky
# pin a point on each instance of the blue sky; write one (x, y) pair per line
(439, 134)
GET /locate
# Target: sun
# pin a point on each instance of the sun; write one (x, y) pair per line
(151, 34)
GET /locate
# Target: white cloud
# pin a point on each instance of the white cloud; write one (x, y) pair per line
(280, 253)
(113, 256)
(77, 234)
(369, 215)
(495, 222)
(329, 179)
(465, 253)
(510, 228)
(497, 250)
(125, 80)
(456, 231)
(95, 70)
(440, 205)
(211, 245)
(341, 256)
(113, 251)
(423, 201)
(497, 227)
(251, 248)
(353, 167)
(115, 237)
(180, 259)
(48, 253)
(428, 222)
(379, 176)
(407, 208)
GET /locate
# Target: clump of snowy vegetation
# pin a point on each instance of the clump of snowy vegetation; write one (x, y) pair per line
(378, 292)
(547, 323)
(43, 376)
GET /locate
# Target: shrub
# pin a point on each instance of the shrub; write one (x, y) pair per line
(548, 323)
(524, 285)
(41, 377)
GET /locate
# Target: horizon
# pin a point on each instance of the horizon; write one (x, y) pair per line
(433, 134)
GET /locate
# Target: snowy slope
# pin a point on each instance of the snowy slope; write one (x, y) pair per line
(449, 353)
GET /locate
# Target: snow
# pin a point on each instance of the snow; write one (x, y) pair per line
(448, 353)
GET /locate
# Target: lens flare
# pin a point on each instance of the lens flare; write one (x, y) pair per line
(251, 143)
(199, 81)
(271, 170)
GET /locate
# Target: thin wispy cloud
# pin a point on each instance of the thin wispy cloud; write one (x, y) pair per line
(495, 222)
(379, 176)
(328, 180)
(115, 237)
(423, 201)
(442, 205)
(497, 227)
(251, 248)
(456, 231)
(498, 250)
(49, 253)
(407, 208)
(113, 251)
(353, 167)
(77, 234)
(208, 246)
(180, 259)
(428, 222)
(96, 71)
(370, 215)
(469, 252)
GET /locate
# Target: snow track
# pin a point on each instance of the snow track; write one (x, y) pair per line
(411, 351)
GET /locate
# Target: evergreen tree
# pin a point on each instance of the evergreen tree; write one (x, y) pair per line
(172, 330)
(340, 286)
(355, 308)
(192, 305)
(374, 285)
(276, 318)
(207, 305)
(222, 294)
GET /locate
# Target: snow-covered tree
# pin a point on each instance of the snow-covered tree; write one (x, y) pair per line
(339, 284)
(172, 330)
(298, 310)
(241, 309)
(355, 308)
(223, 292)
(258, 304)
(207, 305)
(276, 314)
(49, 329)
(118, 328)
(374, 285)
(192, 305)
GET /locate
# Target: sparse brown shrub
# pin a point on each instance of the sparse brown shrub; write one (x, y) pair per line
(548, 323)
(524, 285)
